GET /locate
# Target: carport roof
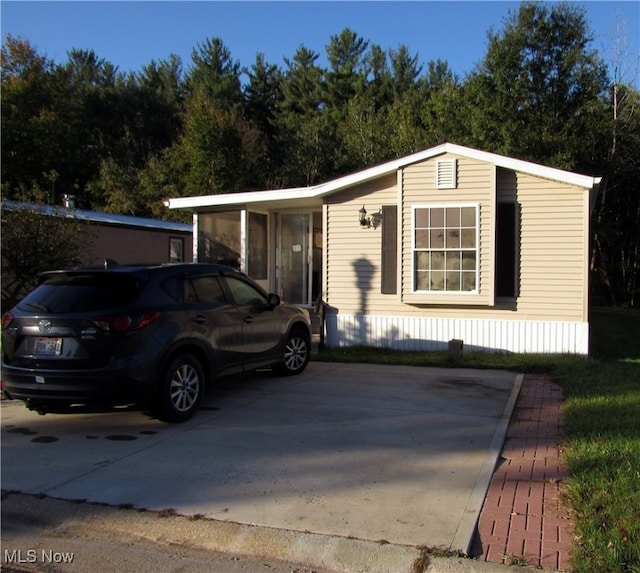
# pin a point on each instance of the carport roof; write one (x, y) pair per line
(312, 196)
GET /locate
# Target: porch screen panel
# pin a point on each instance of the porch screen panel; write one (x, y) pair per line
(257, 250)
(294, 258)
(219, 238)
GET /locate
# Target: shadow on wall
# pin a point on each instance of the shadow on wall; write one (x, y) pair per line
(361, 331)
(363, 270)
(361, 334)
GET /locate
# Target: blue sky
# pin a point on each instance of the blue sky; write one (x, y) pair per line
(131, 34)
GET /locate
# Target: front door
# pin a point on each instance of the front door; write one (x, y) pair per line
(294, 258)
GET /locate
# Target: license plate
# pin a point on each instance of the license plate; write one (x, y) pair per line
(48, 346)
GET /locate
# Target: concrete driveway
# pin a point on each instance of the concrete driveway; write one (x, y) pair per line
(393, 453)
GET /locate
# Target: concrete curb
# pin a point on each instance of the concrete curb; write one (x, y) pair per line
(127, 525)
(459, 565)
(467, 528)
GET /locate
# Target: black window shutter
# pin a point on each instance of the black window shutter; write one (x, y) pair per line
(506, 250)
(389, 250)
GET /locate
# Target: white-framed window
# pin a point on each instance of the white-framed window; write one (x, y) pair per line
(445, 248)
(176, 250)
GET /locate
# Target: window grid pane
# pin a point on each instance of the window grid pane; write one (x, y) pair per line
(445, 249)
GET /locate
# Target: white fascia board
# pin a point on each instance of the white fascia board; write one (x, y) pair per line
(238, 198)
(377, 171)
(499, 160)
(323, 189)
(536, 169)
(316, 191)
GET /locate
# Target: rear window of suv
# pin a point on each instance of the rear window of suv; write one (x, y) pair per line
(81, 293)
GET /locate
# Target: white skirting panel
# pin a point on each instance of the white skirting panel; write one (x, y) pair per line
(489, 335)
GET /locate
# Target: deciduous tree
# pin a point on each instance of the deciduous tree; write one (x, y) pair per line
(537, 94)
(36, 238)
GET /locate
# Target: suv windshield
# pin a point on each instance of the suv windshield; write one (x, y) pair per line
(80, 293)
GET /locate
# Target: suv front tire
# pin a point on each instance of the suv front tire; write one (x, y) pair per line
(296, 353)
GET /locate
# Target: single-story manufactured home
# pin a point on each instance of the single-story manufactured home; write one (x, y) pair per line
(450, 243)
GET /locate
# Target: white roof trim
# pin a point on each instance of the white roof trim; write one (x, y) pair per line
(323, 189)
(240, 198)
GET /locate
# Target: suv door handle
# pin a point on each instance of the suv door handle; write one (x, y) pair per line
(248, 319)
(199, 319)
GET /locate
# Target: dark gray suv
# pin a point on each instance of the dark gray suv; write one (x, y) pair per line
(155, 335)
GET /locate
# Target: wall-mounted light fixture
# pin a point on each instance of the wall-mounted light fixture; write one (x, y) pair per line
(371, 221)
(364, 220)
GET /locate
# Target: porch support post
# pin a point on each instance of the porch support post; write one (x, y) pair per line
(194, 239)
(243, 239)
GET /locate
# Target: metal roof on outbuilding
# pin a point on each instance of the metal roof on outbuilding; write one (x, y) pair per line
(102, 218)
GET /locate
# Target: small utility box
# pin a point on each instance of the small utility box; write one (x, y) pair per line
(455, 349)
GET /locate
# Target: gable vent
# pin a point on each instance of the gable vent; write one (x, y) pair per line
(446, 174)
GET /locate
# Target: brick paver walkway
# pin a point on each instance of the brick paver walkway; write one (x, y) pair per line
(524, 520)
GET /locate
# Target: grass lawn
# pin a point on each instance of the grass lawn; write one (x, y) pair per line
(602, 427)
(602, 417)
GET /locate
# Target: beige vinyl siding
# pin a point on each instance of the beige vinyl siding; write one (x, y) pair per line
(553, 239)
(476, 184)
(552, 250)
(353, 254)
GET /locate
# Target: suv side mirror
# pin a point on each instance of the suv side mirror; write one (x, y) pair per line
(274, 299)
